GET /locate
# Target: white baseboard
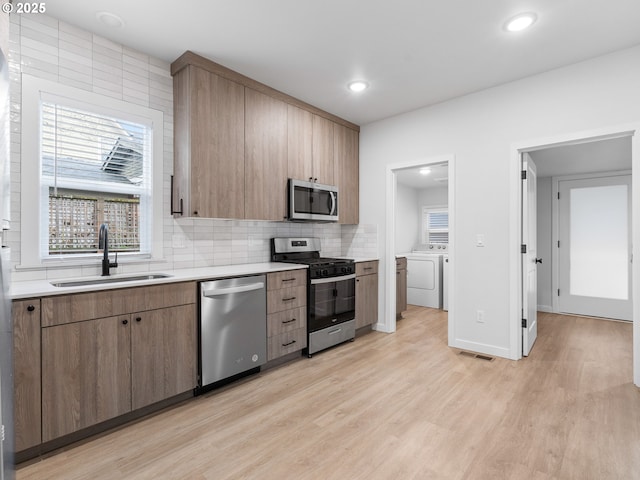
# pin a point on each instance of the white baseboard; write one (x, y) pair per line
(482, 348)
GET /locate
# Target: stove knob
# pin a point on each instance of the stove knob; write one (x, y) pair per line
(343, 269)
(325, 273)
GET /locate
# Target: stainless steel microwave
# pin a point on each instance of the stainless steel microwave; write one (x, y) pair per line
(312, 201)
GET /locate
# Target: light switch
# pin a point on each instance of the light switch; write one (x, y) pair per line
(479, 240)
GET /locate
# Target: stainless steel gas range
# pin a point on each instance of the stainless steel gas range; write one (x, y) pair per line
(331, 301)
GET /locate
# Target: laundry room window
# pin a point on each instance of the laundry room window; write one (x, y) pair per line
(435, 225)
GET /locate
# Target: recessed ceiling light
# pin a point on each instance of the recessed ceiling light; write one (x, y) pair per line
(358, 86)
(520, 22)
(425, 171)
(110, 19)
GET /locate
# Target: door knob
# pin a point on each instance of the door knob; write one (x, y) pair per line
(538, 260)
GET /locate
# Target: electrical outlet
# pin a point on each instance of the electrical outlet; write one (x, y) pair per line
(480, 316)
(479, 240)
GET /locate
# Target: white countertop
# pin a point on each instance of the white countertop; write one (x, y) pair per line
(364, 259)
(43, 288)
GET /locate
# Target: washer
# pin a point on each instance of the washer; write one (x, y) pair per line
(424, 279)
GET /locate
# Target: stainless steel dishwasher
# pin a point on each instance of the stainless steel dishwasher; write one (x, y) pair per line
(233, 327)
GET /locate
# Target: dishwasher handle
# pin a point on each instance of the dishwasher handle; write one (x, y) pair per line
(216, 292)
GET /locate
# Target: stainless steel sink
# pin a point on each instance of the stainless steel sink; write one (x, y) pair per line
(103, 280)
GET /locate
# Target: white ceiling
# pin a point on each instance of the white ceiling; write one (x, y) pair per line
(591, 157)
(411, 177)
(413, 52)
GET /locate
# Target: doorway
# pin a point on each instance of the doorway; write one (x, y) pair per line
(393, 170)
(587, 139)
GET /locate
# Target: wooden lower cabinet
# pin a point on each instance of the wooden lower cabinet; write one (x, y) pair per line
(27, 400)
(401, 286)
(86, 374)
(366, 293)
(164, 354)
(286, 313)
(98, 369)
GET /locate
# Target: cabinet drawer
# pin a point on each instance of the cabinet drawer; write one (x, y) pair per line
(287, 279)
(286, 299)
(63, 309)
(401, 263)
(286, 321)
(366, 268)
(286, 342)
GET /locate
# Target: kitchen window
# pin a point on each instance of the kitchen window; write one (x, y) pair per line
(435, 225)
(98, 161)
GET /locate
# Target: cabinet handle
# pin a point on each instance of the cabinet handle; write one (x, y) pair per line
(289, 321)
(288, 280)
(138, 319)
(124, 322)
(288, 299)
(368, 268)
(290, 343)
(31, 308)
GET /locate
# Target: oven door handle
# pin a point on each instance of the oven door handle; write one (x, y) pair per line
(317, 281)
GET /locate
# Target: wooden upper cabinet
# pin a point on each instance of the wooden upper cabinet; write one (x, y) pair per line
(209, 139)
(299, 143)
(265, 157)
(323, 150)
(346, 159)
(310, 147)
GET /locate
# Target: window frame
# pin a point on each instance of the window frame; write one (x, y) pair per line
(32, 240)
(424, 230)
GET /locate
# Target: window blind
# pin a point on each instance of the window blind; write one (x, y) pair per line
(435, 225)
(97, 168)
(81, 146)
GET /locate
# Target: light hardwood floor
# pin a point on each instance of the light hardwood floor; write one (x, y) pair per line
(402, 406)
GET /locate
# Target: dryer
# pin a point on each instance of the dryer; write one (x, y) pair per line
(424, 279)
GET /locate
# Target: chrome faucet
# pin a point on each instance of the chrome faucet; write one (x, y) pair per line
(103, 243)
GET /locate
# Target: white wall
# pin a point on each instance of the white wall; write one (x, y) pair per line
(544, 203)
(480, 130)
(433, 197)
(407, 218)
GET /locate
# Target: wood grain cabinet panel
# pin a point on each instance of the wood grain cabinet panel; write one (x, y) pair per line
(323, 144)
(299, 143)
(58, 310)
(27, 399)
(366, 295)
(86, 375)
(164, 354)
(401, 285)
(347, 173)
(286, 312)
(286, 279)
(209, 144)
(265, 157)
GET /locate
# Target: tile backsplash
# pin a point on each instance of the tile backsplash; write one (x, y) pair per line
(44, 47)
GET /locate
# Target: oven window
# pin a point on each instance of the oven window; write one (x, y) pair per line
(331, 303)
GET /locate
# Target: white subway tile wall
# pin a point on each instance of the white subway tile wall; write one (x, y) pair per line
(47, 48)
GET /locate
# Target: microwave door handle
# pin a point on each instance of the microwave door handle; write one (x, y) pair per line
(333, 203)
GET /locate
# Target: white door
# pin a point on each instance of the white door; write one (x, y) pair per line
(529, 260)
(594, 249)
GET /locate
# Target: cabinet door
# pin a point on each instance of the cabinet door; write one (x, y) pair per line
(347, 173)
(164, 354)
(86, 374)
(299, 143)
(26, 369)
(217, 146)
(265, 157)
(323, 164)
(401, 290)
(366, 300)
